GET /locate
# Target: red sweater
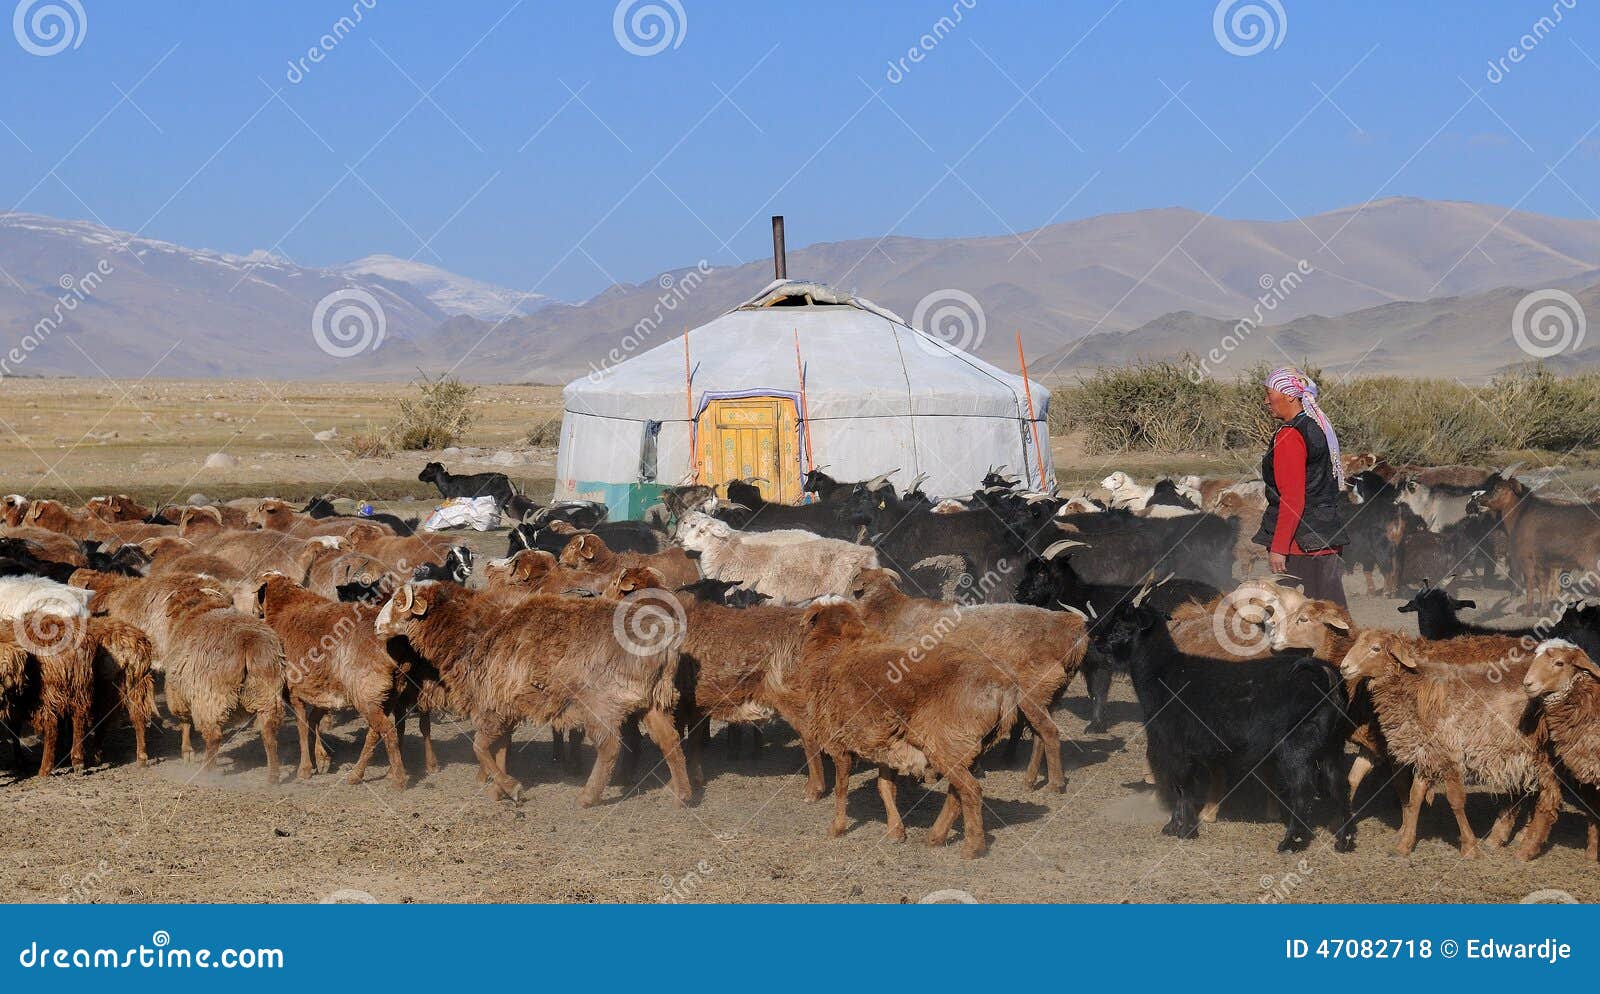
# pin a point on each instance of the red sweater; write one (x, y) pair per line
(1289, 472)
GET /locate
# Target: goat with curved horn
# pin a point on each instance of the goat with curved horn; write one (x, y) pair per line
(1056, 548)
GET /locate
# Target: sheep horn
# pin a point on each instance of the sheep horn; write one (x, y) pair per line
(403, 598)
(1055, 548)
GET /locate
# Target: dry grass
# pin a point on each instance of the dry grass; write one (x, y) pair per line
(1157, 406)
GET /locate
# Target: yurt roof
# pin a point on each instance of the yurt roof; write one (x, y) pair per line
(861, 361)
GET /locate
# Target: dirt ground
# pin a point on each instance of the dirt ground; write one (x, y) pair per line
(170, 833)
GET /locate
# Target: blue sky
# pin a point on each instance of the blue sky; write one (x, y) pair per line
(523, 144)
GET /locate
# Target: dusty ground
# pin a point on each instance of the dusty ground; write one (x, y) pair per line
(167, 833)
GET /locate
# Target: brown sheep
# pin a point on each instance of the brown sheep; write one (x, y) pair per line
(336, 661)
(400, 553)
(1566, 682)
(124, 677)
(332, 568)
(552, 660)
(55, 683)
(530, 571)
(1038, 648)
(52, 515)
(116, 507)
(13, 508)
(1248, 510)
(935, 720)
(275, 515)
(49, 545)
(257, 552)
(1453, 710)
(216, 660)
(736, 665)
(588, 554)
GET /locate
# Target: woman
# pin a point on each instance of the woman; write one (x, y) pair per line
(1303, 526)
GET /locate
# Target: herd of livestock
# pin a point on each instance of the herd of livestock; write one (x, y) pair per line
(907, 631)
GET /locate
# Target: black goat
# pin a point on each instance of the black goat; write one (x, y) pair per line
(1050, 581)
(1580, 625)
(450, 485)
(322, 507)
(1368, 547)
(728, 593)
(17, 559)
(128, 560)
(1205, 716)
(456, 568)
(619, 536)
(1125, 548)
(581, 514)
(1165, 493)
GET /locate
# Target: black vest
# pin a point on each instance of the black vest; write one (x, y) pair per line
(1322, 522)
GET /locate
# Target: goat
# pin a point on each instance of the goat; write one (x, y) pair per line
(1164, 499)
(456, 567)
(275, 515)
(322, 508)
(935, 720)
(619, 536)
(1565, 680)
(1417, 552)
(1452, 711)
(1436, 608)
(1206, 715)
(1543, 538)
(337, 661)
(451, 485)
(1437, 504)
(788, 566)
(548, 659)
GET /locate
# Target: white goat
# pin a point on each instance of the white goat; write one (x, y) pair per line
(789, 565)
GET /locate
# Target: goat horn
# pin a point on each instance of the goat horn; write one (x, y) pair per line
(1166, 578)
(1446, 581)
(1144, 591)
(1092, 612)
(917, 481)
(1068, 607)
(1055, 548)
(881, 479)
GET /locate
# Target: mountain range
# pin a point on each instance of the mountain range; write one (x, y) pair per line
(1395, 285)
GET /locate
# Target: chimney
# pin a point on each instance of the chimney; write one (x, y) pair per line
(780, 261)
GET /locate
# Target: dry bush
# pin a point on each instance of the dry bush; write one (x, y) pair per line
(371, 443)
(438, 416)
(546, 433)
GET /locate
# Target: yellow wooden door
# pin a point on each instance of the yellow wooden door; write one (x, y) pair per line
(751, 438)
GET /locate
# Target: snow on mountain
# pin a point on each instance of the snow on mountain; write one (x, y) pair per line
(451, 293)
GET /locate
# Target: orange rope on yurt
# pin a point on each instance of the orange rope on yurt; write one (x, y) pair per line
(1027, 390)
(805, 410)
(688, 407)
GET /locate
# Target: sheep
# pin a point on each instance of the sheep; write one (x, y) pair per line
(47, 545)
(216, 661)
(788, 566)
(1208, 715)
(1040, 649)
(552, 660)
(1248, 511)
(275, 515)
(256, 552)
(124, 675)
(23, 595)
(337, 661)
(400, 553)
(56, 682)
(1565, 680)
(332, 568)
(128, 559)
(589, 554)
(116, 507)
(736, 665)
(1453, 711)
(528, 572)
(13, 508)
(17, 559)
(933, 721)
(452, 485)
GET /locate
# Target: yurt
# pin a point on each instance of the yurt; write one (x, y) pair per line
(799, 376)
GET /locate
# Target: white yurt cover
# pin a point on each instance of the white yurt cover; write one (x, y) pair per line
(879, 396)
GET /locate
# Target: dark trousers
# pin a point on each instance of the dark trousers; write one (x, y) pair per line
(1321, 577)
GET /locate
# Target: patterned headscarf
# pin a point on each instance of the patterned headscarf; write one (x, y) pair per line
(1291, 382)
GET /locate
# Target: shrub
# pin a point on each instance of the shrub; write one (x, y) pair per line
(438, 416)
(1155, 405)
(371, 443)
(546, 433)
